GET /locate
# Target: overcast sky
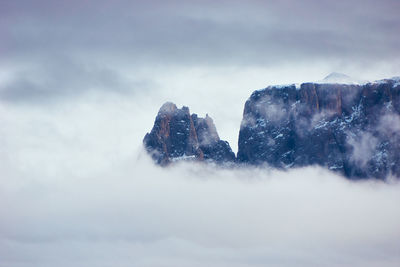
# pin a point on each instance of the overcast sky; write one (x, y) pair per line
(201, 32)
(193, 53)
(89, 43)
(80, 85)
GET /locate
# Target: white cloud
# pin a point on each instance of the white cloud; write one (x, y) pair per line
(77, 189)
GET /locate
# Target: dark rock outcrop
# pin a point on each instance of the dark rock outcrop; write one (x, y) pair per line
(352, 129)
(178, 135)
(348, 128)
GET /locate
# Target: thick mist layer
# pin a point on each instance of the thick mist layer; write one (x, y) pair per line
(77, 189)
(80, 85)
(144, 216)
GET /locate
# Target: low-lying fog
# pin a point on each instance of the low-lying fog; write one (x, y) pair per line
(80, 85)
(78, 190)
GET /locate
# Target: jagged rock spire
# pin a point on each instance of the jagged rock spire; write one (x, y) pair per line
(178, 135)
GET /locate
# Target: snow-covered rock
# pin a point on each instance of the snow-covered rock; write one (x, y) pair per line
(347, 127)
(340, 78)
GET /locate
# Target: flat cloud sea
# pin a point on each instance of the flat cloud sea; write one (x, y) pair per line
(78, 189)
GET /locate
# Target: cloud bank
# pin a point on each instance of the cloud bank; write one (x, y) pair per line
(77, 189)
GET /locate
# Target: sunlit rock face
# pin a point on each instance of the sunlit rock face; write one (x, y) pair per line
(353, 129)
(179, 135)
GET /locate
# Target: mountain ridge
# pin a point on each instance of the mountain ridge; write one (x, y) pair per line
(353, 129)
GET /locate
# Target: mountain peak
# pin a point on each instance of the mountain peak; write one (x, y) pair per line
(178, 135)
(167, 108)
(336, 77)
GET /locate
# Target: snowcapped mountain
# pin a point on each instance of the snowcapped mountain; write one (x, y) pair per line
(340, 78)
(347, 127)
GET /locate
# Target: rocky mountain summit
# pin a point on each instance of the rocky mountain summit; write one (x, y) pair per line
(353, 129)
(179, 135)
(349, 128)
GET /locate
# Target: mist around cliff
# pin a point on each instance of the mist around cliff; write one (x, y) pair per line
(81, 83)
(78, 190)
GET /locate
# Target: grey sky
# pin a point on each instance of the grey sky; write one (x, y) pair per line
(53, 48)
(202, 32)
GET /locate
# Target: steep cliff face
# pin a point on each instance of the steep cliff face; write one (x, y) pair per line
(178, 135)
(352, 129)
